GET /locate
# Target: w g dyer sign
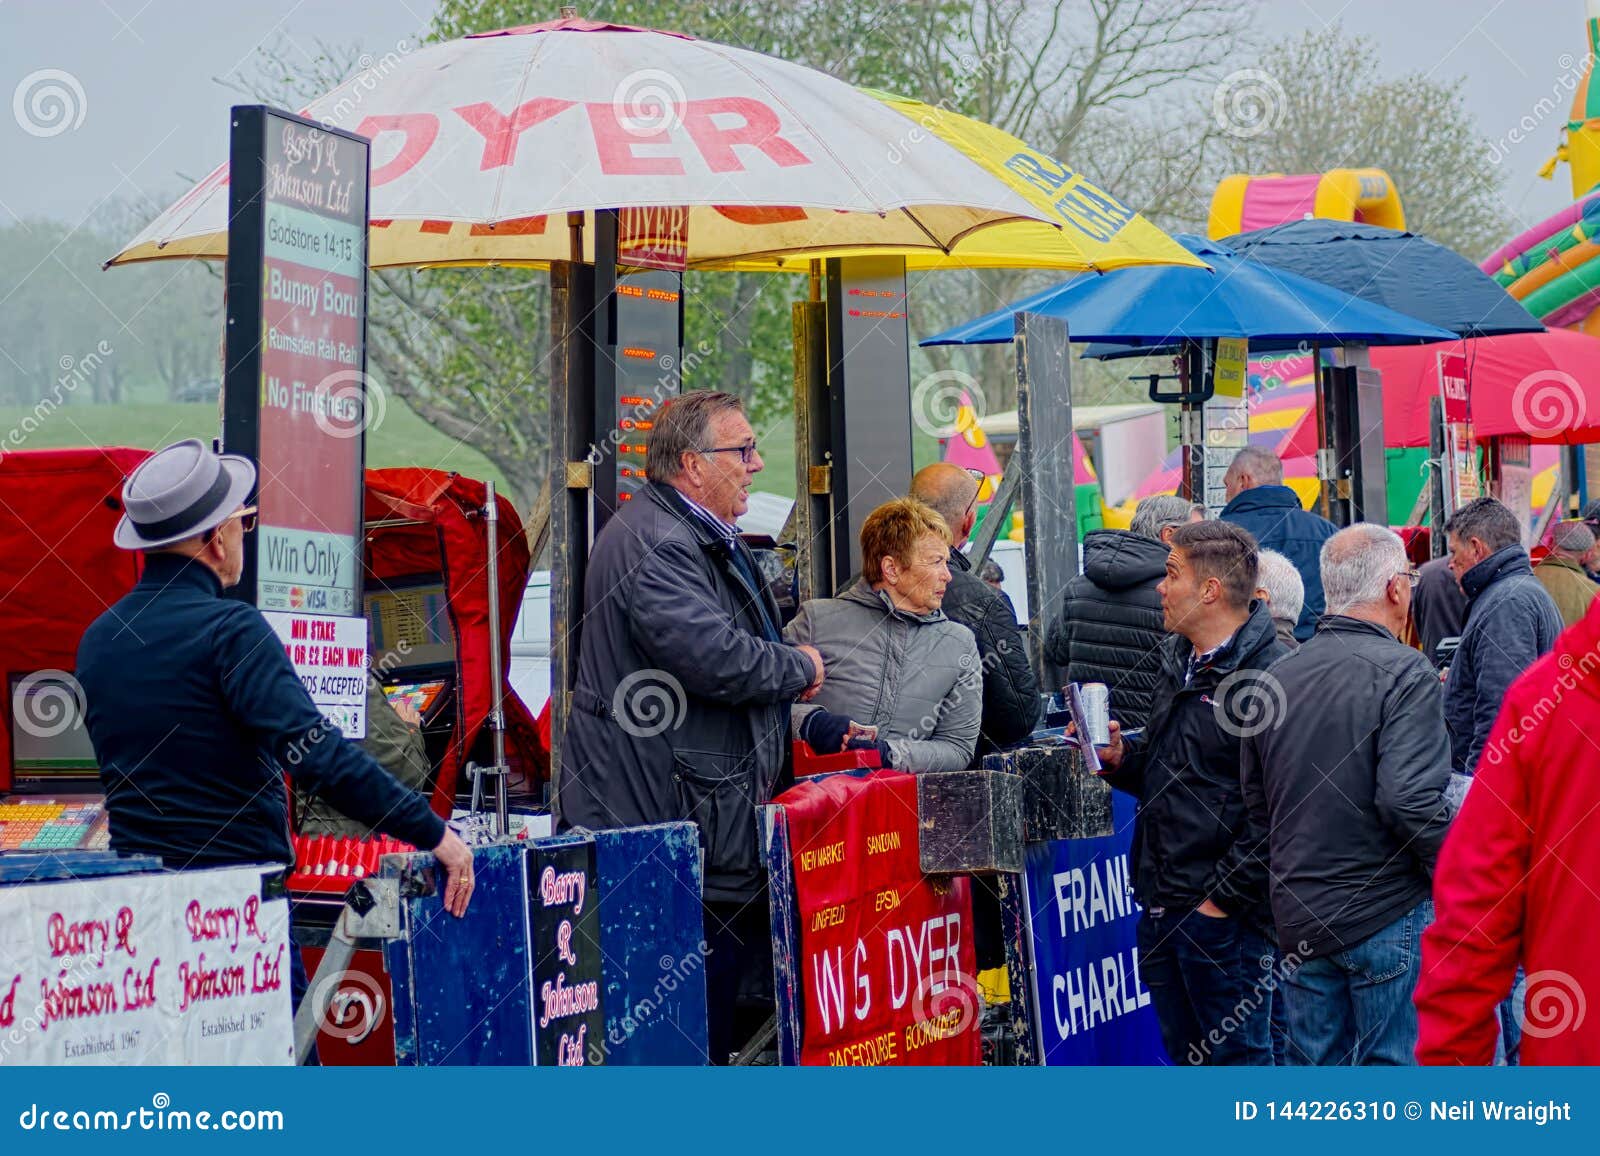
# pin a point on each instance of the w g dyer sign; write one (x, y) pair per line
(886, 956)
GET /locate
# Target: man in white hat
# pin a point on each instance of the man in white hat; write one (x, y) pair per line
(193, 707)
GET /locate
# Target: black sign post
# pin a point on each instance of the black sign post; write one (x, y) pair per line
(295, 388)
(638, 364)
(869, 395)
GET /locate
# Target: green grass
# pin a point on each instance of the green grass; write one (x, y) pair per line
(400, 439)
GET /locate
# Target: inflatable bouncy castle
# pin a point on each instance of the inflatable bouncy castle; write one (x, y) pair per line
(1244, 202)
(1552, 268)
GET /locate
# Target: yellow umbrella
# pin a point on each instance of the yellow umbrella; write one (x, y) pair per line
(482, 147)
(1090, 229)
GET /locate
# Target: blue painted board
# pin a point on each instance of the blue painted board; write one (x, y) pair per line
(461, 989)
(652, 934)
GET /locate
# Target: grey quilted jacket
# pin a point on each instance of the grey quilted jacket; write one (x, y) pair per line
(916, 678)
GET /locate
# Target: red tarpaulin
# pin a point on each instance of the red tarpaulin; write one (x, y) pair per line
(57, 512)
(1543, 386)
(886, 953)
(452, 539)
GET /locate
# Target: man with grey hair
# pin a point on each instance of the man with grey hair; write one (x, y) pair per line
(1160, 514)
(1561, 572)
(1278, 585)
(1347, 809)
(681, 709)
(1110, 629)
(1260, 502)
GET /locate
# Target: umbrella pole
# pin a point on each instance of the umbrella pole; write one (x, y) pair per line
(1325, 459)
(497, 717)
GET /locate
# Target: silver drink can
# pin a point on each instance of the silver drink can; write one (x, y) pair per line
(1096, 712)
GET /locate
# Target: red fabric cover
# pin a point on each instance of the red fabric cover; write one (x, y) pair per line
(57, 511)
(59, 507)
(454, 541)
(1545, 386)
(572, 24)
(1518, 880)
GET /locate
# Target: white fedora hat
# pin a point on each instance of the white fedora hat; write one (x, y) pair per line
(179, 492)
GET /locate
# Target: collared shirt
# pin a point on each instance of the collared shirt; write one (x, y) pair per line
(1198, 661)
(727, 531)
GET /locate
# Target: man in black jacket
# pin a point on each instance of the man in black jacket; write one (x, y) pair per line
(681, 709)
(1010, 688)
(1110, 629)
(1201, 952)
(1511, 621)
(1348, 805)
(196, 713)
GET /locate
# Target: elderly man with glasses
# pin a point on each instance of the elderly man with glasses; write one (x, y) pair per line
(681, 709)
(1346, 796)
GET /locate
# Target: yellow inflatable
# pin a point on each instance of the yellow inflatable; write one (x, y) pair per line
(1244, 202)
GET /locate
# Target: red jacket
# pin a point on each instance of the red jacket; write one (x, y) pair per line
(1518, 880)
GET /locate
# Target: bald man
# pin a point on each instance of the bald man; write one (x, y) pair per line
(1010, 690)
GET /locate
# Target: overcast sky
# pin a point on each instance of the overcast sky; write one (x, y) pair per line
(153, 110)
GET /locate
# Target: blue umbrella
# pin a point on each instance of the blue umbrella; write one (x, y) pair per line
(1404, 271)
(1157, 306)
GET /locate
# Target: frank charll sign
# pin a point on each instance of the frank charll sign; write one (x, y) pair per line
(296, 391)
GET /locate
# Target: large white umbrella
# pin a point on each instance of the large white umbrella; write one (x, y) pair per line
(481, 146)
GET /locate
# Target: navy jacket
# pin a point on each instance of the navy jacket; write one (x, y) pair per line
(1192, 839)
(195, 712)
(1273, 514)
(1511, 620)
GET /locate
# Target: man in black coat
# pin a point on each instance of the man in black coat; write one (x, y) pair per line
(1110, 629)
(681, 709)
(1260, 502)
(194, 709)
(1511, 621)
(1201, 951)
(1010, 688)
(1348, 805)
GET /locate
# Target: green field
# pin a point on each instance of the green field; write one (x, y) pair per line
(400, 439)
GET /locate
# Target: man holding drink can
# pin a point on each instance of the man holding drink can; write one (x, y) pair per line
(1201, 947)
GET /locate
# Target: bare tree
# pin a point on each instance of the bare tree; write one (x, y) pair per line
(1323, 105)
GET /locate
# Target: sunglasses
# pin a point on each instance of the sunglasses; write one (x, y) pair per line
(247, 518)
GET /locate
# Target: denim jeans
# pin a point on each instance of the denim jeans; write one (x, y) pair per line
(1212, 986)
(1354, 1006)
